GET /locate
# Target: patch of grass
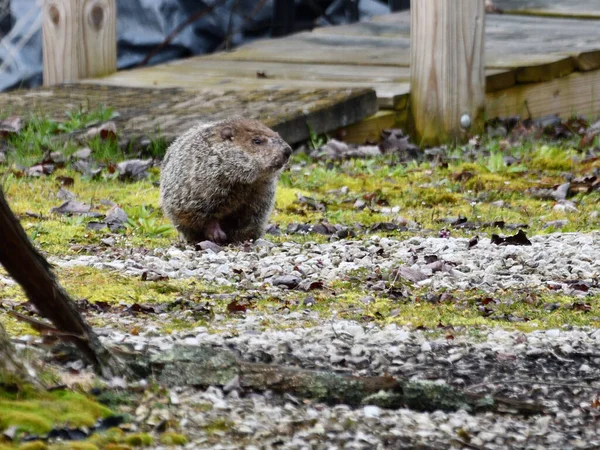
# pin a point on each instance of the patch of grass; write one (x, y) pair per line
(552, 158)
(58, 233)
(85, 117)
(148, 221)
(158, 147)
(105, 150)
(423, 193)
(316, 141)
(39, 134)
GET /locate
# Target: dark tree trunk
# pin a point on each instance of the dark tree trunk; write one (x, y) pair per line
(31, 270)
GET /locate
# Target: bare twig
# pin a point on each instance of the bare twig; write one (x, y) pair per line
(249, 17)
(230, 24)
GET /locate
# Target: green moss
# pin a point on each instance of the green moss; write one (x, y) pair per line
(548, 157)
(139, 440)
(83, 282)
(507, 185)
(74, 445)
(112, 438)
(35, 445)
(38, 412)
(29, 422)
(432, 197)
(219, 425)
(172, 438)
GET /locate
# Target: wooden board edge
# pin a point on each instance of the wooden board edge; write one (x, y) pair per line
(370, 128)
(552, 14)
(545, 72)
(361, 104)
(577, 93)
(500, 79)
(588, 60)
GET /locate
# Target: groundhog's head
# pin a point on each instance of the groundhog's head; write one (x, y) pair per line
(264, 146)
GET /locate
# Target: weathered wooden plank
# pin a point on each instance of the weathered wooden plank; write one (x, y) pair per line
(447, 81)
(504, 52)
(359, 51)
(584, 9)
(313, 48)
(389, 95)
(390, 83)
(171, 111)
(208, 65)
(511, 41)
(578, 93)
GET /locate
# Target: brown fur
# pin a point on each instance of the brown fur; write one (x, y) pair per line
(218, 180)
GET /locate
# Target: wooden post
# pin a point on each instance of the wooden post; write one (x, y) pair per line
(79, 39)
(447, 84)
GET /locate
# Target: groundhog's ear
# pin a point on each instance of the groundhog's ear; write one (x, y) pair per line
(226, 133)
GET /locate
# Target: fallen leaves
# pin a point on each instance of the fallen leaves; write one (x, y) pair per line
(106, 131)
(116, 218)
(134, 169)
(288, 281)
(10, 126)
(518, 239)
(72, 207)
(65, 181)
(310, 203)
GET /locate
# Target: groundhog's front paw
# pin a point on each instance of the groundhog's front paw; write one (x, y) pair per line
(215, 233)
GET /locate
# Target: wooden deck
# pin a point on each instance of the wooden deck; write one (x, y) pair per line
(542, 57)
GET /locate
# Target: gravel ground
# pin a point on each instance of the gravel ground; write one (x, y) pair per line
(558, 261)
(557, 368)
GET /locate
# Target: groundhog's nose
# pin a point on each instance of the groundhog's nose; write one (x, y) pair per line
(287, 151)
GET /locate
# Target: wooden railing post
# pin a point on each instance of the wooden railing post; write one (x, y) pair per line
(447, 84)
(79, 39)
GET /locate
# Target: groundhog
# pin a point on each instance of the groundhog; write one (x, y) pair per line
(218, 180)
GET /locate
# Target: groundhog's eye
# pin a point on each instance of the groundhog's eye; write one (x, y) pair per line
(257, 141)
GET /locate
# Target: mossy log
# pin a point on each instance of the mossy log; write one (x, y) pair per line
(208, 366)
